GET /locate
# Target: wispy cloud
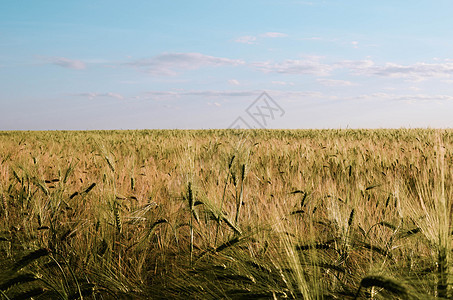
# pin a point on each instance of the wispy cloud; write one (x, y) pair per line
(213, 95)
(233, 82)
(251, 39)
(408, 98)
(100, 95)
(292, 95)
(66, 62)
(173, 63)
(334, 82)
(273, 34)
(355, 65)
(414, 72)
(290, 66)
(297, 95)
(246, 39)
(313, 38)
(315, 66)
(282, 83)
(203, 93)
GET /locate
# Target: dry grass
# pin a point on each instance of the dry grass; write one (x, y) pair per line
(312, 214)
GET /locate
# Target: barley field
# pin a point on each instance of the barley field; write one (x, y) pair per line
(226, 214)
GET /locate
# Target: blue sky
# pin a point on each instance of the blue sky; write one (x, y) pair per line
(202, 64)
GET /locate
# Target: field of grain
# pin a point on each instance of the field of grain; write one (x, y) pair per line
(223, 214)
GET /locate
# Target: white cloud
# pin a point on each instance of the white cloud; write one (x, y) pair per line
(355, 44)
(273, 34)
(413, 72)
(155, 95)
(212, 97)
(282, 83)
(172, 63)
(289, 66)
(278, 95)
(334, 82)
(355, 65)
(98, 95)
(225, 94)
(67, 63)
(313, 38)
(410, 98)
(416, 72)
(414, 88)
(233, 82)
(250, 39)
(246, 39)
(424, 97)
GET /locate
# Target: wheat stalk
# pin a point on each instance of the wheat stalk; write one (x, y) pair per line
(386, 283)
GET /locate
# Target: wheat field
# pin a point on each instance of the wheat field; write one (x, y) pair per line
(226, 214)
